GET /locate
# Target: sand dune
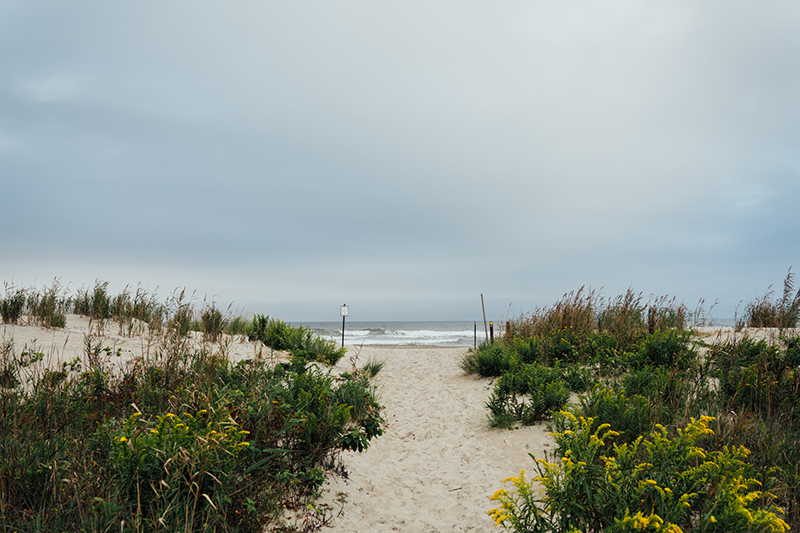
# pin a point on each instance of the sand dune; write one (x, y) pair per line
(437, 463)
(434, 468)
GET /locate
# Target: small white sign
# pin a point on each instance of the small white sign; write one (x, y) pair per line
(343, 311)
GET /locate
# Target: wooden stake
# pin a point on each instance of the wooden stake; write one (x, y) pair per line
(484, 319)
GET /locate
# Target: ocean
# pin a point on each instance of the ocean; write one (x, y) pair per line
(399, 333)
(431, 333)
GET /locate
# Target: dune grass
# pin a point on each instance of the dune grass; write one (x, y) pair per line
(766, 312)
(184, 440)
(641, 369)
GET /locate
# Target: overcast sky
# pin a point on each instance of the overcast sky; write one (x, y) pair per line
(401, 157)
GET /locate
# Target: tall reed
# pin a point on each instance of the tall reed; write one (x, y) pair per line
(12, 304)
(783, 313)
(48, 306)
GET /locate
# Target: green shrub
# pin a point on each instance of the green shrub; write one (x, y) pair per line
(669, 390)
(630, 417)
(527, 350)
(760, 377)
(565, 345)
(171, 460)
(669, 348)
(298, 340)
(488, 360)
(237, 325)
(257, 329)
(527, 395)
(218, 447)
(655, 483)
(578, 378)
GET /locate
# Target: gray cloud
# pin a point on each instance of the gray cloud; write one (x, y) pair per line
(408, 156)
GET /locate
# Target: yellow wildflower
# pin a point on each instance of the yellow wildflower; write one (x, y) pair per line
(498, 494)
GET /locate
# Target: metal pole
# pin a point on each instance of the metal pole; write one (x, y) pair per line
(475, 338)
(343, 311)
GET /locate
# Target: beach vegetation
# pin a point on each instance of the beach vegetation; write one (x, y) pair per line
(649, 381)
(583, 316)
(213, 323)
(488, 360)
(48, 306)
(134, 312)
(237, 325)
(527, 395)
(181, 315)
(372, 367)
(12, 304)
(766, 312)
(299, 340)
(187, 440)
(658, 482)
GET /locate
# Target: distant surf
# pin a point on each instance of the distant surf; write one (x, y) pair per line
(434, 333)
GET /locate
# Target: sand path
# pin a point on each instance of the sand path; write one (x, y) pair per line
(438, 462)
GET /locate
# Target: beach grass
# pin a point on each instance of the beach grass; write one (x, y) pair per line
(651, 377)
(372, 367)
(766, 312)
(182, 439)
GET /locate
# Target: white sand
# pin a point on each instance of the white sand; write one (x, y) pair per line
(438, 462)
(63, 345)
(715, 335)
(433, 469)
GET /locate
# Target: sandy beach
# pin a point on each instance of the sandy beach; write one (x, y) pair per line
(438, 462)
(434, 468)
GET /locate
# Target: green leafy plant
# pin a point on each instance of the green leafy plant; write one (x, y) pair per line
(298, 340)
(655, 483)
(184, 441)
(173, 459)
(629, 417)
(527, 395)
(488, 360)
(669, 348)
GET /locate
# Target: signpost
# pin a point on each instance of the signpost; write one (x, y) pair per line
(343, 313)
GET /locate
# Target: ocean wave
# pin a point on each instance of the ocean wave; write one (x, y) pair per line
(400, 333)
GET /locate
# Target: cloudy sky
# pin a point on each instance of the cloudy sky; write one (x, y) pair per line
(401, 157)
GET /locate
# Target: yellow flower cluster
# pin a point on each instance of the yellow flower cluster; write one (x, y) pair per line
(629, 479)
(642, 522)
(508, 503)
